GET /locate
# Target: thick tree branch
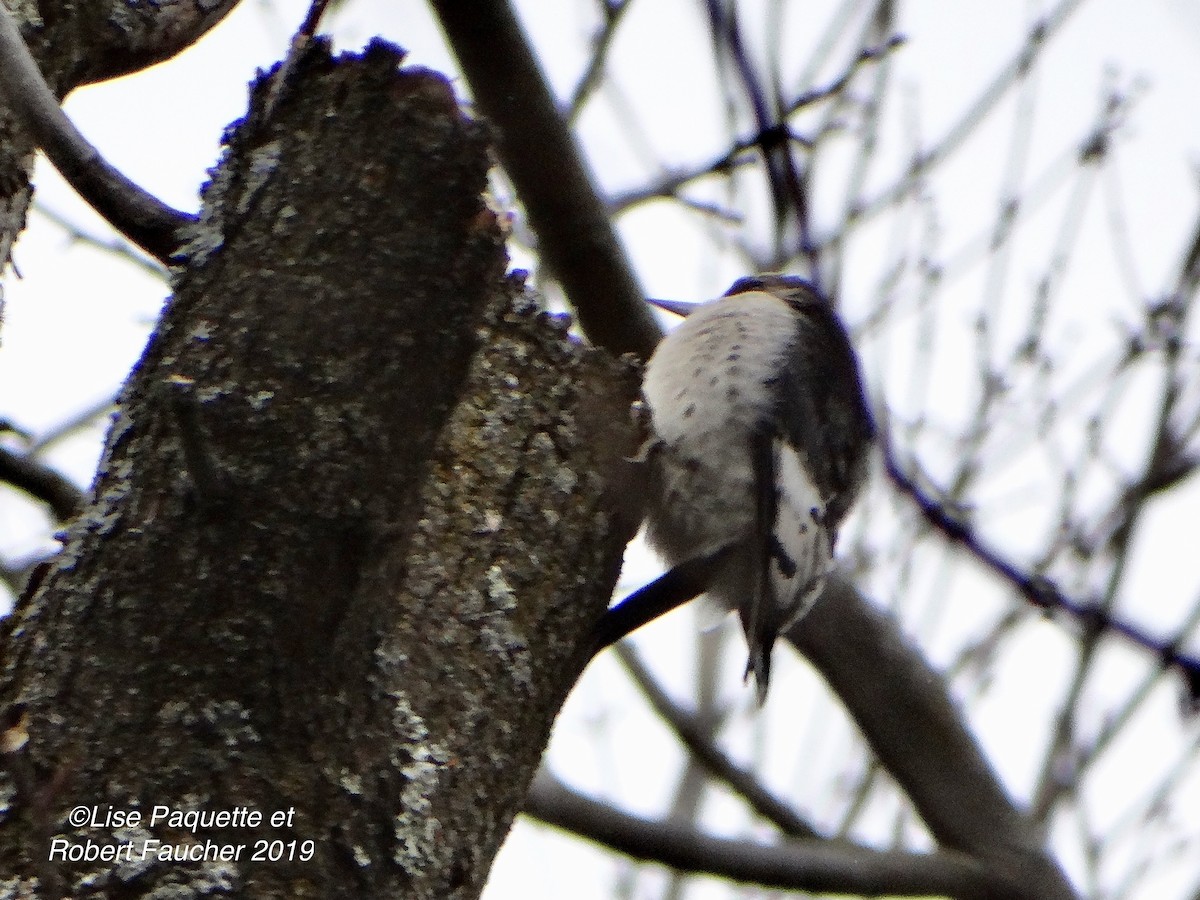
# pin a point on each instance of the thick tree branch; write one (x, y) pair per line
(137, 214)
(893, 695)
(905, 713)
(97, 40)
(817, 866)
(79, 43)
(41, 482)
(576, 240)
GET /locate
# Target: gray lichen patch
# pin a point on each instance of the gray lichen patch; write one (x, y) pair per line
(513, 556)
(421, 762)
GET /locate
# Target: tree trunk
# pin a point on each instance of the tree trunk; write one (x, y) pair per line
(355, 515)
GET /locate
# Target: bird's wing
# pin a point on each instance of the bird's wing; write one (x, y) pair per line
(757, 614)
(808, 457)
(823, 411)
(791, 549)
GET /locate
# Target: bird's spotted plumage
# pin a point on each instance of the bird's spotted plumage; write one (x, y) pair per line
(760, 440)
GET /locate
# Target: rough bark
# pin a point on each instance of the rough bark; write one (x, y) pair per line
(355, 516)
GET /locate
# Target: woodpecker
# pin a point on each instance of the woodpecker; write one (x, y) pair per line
(760, 435)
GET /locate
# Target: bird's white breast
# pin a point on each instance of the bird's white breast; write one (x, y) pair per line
(709, 388)
(712, 373)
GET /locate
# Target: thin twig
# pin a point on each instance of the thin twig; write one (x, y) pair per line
(116, 246)
(882, 22)
(739, 153)
(590, 80)
(839, 84)
(68, 427)
(1037, 589)
(782, 177)
(699, 742)
(1036, 41)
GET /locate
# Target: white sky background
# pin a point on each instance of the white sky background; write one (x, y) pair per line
(78, 319)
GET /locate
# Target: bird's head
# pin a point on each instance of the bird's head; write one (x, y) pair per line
(791, 289)
(785, 287)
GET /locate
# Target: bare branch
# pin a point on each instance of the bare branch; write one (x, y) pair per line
(588, 82)
(1038, 38)
(833, 866)
(894, 696)
(41, 482)
(72, 425)
(575, 237)
(117, 246)
(788, 192)
(882, 22)
(1040, 590)
(698, 740)
(667, 186)
(137, 214)
(763, 138)
(839, 84)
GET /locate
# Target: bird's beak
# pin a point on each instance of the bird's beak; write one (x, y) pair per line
(678, 307)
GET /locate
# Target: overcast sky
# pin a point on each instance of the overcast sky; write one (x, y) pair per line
(78, 318)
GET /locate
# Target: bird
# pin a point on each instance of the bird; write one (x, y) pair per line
(760, 437)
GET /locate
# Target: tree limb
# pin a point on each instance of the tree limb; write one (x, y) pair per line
(699, 742)
(81, 43)
(816, 866)
(137, 214)
(41, 482)
(906, 715)
(576, 240)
